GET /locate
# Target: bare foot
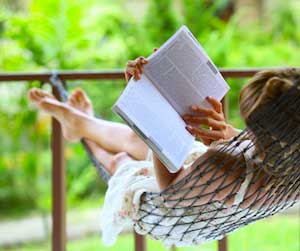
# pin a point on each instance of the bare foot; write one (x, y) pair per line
(80, 101)
(68, 117)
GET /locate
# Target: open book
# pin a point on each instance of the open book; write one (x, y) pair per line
(177, 75)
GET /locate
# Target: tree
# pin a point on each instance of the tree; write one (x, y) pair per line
(199, 15)
(253, 10)
(160, 20)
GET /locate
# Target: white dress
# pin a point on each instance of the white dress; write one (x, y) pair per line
(127, 185)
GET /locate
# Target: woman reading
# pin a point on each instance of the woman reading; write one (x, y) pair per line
(136, 170)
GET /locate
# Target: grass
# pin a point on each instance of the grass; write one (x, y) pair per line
(279, 233)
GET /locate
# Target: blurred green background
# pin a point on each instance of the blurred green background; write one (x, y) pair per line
(100, 34)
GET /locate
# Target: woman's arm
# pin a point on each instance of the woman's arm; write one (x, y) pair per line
(211, 179)
(212, 118)
(223, 185)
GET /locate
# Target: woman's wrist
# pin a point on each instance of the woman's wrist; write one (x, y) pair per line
(232, 131)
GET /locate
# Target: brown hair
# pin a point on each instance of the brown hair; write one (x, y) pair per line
(265, 86)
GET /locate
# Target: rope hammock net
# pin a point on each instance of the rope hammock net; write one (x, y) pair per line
(266, 167)
(275, 128)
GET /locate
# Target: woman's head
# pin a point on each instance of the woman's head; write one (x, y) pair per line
(273, 129)
(265, 86)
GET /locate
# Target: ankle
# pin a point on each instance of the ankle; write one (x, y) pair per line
(78, 121)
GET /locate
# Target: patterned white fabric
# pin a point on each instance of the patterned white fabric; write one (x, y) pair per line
(132, 179)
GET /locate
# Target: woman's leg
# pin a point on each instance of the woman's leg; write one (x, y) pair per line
(111, 136)
(110, 161)
(79, 100)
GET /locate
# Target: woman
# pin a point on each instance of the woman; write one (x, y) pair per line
(136, 170)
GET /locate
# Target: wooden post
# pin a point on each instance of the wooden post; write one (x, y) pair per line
(58, 188)
(222, 244)
(139, 242)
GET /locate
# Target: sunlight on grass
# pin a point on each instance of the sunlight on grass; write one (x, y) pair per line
(274, 234)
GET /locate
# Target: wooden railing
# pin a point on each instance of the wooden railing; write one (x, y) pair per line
(57, 145)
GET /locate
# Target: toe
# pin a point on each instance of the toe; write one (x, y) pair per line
(80, 101)
(49, 95)
(78, 96)
(84, 98)
(44, 94)
(39, 93)
(73, 95)
(72, 100)
(34, 95)
(80, 93)
(81, 96)
(31, 95)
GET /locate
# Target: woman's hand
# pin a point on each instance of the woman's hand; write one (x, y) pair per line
(213, 118)
(134, 68)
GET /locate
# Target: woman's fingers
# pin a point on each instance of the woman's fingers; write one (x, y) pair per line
(205, 141)
(129, 69)
(143, 60)
(206, 112)
(217, 105)
(135, 68)
(131, 63)
(140, 61)
(213, 118)
(136, 75)
(139, 67)
(200, 132)
(127, 76)
(215, 124)
(132, 71)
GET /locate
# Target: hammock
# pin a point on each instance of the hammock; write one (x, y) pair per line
(271, 141)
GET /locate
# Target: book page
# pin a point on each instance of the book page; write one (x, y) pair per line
(183, 72)
(160, 124)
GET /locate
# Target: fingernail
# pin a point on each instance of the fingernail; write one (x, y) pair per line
(208, 97)
(193, 107)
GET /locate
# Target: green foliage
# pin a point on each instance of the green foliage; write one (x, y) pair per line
(160, 21)
(69, 34)
(200, 16)
(91, 34)
(285, 23)
(277, 233)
